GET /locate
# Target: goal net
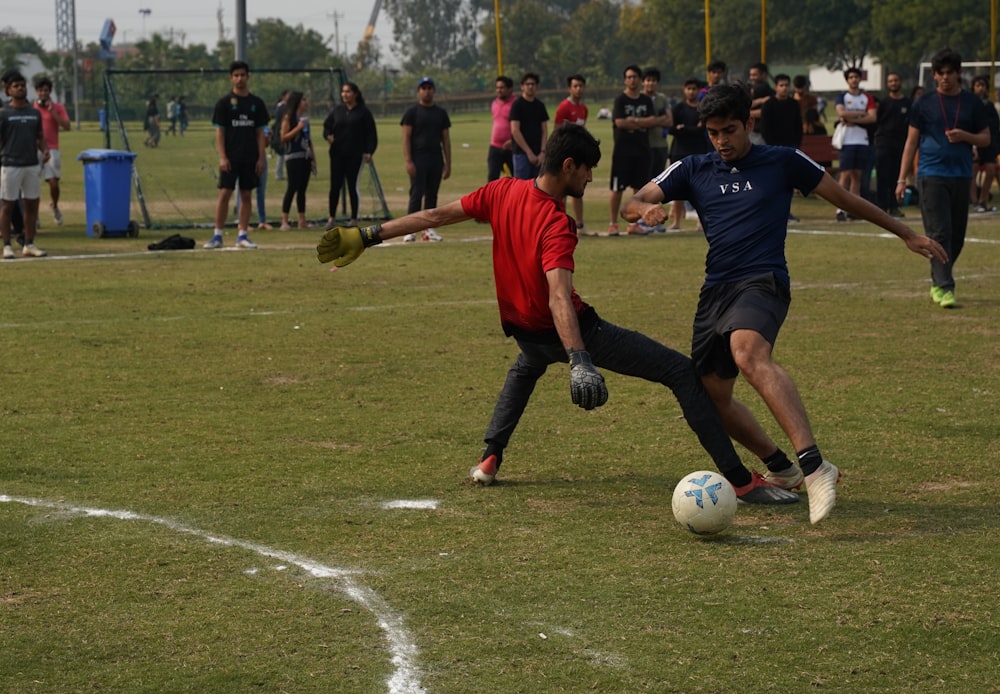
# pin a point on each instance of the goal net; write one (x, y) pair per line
(176, 172)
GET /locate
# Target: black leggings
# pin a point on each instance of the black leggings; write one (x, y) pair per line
(297, 171)
(344, 169)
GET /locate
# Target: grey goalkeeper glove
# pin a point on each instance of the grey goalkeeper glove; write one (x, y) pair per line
(343, 245)
(586, 384)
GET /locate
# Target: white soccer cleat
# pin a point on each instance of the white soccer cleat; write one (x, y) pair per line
(409, 238)
(822, 489)
(431, 235)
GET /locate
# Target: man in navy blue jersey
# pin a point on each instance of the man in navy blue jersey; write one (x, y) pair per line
(742, 192)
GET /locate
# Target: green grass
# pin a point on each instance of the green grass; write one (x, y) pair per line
(243, 402)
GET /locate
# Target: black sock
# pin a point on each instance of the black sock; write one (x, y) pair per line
(493, 448)
(810, 459)
(777, 461)
(738, 477)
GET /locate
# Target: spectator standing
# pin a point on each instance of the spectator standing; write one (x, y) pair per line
(805, 99)
(54, 119)
(501, 152)
(986, 157)
(172, 115)
(658, 133)
(944, 127)
(300, 160)
(529, 129)
(17, 214)
(689, 138)
(182, 115)
(892, 117)
(21, 140)
(632, 115)
(760, 92)
(350, 131)
(573, 110)
(715, 71)
(856, 110)
(239, 119)
(153, 121)
(781, 120)
(427, 152)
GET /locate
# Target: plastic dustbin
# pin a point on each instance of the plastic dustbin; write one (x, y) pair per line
(107, 187)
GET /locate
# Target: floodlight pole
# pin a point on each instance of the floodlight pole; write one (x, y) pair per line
(708, 36)
(496, 21)
(240, 38)
(763, 31)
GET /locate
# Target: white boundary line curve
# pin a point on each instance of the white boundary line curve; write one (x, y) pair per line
(405, 678)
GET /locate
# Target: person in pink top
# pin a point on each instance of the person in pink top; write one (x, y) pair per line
(54, 119)
(501, 151)
(573, 110)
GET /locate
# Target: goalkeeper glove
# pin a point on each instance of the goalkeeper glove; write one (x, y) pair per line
(343, 245)
(586, 384)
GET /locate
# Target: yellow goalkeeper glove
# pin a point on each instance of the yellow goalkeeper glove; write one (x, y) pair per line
(343, 245)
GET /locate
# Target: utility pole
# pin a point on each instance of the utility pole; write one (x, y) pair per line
(336, 16)
(145, 12)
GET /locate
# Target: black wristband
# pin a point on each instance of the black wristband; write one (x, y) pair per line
(371, 236)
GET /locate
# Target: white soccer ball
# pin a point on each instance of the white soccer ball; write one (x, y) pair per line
(704, 502)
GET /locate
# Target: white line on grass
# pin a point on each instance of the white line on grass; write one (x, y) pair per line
(405, 678)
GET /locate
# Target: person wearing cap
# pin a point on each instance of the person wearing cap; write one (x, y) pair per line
(427, 152)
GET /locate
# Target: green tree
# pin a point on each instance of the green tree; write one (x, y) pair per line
(904, 33)
(434, 34)
(13, 44)
(274, 44)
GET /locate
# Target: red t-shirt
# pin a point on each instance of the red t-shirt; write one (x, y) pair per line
(568, 112)
(532, 234)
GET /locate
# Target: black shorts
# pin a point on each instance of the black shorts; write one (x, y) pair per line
(758, 303)
(629, 171)
(244, 174)
(985, 157)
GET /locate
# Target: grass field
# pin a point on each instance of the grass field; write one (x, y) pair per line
(230, 471)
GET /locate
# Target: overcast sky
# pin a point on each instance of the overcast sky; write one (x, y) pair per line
(195, 21)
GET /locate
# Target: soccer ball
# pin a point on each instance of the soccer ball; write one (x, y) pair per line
(704, 502)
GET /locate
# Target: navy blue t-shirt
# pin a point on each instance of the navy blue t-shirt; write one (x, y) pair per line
(743, 206)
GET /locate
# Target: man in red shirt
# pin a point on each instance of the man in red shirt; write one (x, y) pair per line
(533, 244)
(54, 119)
(573, 110)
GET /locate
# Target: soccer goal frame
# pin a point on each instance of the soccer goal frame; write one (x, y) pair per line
(161, 209)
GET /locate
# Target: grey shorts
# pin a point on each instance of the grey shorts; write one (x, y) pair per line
(759, 303)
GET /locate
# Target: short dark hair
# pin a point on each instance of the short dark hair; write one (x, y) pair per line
(43, 81)
(571, 141)
(759, 67)
(692, 80)
(13, 75)
(800, 81)
(717, 66)
(238, 65)
(652, 72)
(632, 68)
(782, 77)
(507, 81)
(853, 70)
(981, 78)
(578, 77)
(726, 101)
(530, 76)
(946, 58)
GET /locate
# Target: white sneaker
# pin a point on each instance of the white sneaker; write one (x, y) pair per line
(8, 253)
(30, 251)
(789, 478)
(431, 235)
(409, 238)
(214, 242)
(243, 241)
(57, 214)
(822, 488)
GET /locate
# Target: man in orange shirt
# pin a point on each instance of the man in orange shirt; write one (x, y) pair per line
(54, 119)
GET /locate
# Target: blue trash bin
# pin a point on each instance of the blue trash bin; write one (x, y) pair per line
(107, 187)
